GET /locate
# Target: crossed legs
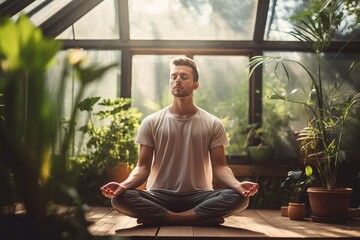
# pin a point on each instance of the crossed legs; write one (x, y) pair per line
(198, 208)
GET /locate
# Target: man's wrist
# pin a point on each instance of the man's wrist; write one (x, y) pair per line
(122, 186)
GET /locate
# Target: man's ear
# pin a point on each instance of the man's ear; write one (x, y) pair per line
(196, 85)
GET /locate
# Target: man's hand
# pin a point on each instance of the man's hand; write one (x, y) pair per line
(112, 189)
(247, 188)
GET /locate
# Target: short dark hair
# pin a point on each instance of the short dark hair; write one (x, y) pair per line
(185, 61)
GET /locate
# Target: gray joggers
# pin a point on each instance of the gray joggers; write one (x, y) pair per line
(153, 205)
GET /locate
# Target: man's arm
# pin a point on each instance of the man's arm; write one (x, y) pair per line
(225, 176)
(142, 170)
(137, 176)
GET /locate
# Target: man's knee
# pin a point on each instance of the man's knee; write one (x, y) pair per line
(237, 201)
(122, 203)
(138, 204)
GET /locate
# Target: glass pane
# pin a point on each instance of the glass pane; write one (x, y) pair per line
(334, 69)
(150, 82)
(278, 23)
(105, 87)
(224, 92)
(102, 22)
(39, 11)
(192, 19)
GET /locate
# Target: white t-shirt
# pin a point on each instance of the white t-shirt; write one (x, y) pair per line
(181, 161)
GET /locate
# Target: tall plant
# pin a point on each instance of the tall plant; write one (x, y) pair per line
(30, 119)
(321, 139)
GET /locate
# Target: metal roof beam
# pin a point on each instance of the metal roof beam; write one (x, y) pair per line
(144, 45)
(260, 24)
(68, 15)
(11, 7)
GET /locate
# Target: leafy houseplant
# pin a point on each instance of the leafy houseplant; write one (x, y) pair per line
(110, 134)
(327, 106)
(326, 113)
(296, 184)
(259, 144)
(29, 123)
(274, 128)
(113, 140)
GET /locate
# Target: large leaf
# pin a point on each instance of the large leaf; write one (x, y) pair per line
(88, 103)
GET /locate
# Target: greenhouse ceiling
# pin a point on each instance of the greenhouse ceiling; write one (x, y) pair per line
(200, 25)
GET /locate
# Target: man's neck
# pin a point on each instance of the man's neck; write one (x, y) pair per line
(182, 108)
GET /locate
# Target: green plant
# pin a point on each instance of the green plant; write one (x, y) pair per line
(296, 183)
(327, 107)
(110, 139)
(274, 131)
(258, 136)
(30, 119)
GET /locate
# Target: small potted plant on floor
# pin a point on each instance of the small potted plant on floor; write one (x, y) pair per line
(296, 184)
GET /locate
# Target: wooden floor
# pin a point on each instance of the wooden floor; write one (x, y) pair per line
(251, 224)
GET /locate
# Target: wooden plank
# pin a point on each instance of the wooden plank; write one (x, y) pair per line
(249, 220)
(132, 229)
(307, 228)
(121, 222)
(108, 222)
(97, 212)
(176, 232)
(224, 231)
(99, 217)
(138, 232)
(271, 220)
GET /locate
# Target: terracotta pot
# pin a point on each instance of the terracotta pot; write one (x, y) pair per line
(120, 173)
(297, 211)
(329, 206)
(284, 211)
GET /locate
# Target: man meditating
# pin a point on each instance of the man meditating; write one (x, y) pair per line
(181, 151)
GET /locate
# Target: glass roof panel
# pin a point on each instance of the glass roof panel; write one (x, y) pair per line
(39, 11)
(278, 23)
(192, 19)
(102, 22)
(348, 28)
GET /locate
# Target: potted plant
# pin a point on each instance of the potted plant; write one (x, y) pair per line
(261, 137)
(327, 107)
(110, 149)
(296, 184)
(259, 144)
(29, 123)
